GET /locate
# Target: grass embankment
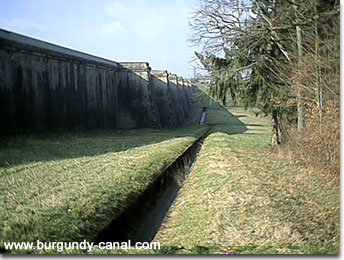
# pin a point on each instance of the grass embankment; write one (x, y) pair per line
(69, 186)
(242, 198)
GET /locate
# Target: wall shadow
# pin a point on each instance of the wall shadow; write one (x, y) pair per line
(114, 102)
(49, 146)
(29, 148)
(218, 117)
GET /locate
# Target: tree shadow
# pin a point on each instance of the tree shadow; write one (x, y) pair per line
(257, 125)
(221, 119)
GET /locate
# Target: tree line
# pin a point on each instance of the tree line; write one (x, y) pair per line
(282, 57)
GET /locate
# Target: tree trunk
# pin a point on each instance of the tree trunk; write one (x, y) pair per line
(300, 105)
(224, 100)
(318, 86)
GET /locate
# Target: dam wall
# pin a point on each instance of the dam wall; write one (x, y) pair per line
(44, 86)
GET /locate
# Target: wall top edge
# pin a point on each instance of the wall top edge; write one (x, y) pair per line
(136, 66)
(159, 72)
(11, 39)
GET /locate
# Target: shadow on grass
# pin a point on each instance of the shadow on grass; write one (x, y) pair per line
(22, 149)
(219, 118)
(16, 150)
(256, 125)
(233, 119)
(28, 148)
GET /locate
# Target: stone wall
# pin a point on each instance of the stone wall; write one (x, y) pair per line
(48, 87)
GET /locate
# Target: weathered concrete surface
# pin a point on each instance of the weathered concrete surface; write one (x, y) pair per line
(176, 97)
(141, 93)
(190, 92)
(185, 101)
(47, 87)
(162, 97)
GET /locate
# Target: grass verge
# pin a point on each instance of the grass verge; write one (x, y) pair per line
(242, 198)
(70, 186)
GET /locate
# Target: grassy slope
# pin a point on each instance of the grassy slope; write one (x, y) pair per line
(241, 198)
(69, 186)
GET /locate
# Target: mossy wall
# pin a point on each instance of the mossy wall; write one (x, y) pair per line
(48, 87)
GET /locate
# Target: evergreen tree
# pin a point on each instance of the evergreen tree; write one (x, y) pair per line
(253, 50)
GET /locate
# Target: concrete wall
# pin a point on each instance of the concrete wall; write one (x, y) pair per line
(162, 94)
(48, 87)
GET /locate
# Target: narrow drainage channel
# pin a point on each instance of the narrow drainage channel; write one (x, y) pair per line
(141, 221)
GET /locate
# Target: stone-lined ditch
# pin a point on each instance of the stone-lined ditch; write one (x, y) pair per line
(140, 221)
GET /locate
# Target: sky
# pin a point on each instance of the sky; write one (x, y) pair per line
(155, 31)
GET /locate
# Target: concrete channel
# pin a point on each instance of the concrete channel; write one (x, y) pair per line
(141, 221)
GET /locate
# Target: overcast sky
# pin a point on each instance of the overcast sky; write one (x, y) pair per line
(122, 30)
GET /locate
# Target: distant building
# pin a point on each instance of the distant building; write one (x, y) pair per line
(204, 80)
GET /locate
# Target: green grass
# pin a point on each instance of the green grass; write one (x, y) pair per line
(69, 186)
(242, 198)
